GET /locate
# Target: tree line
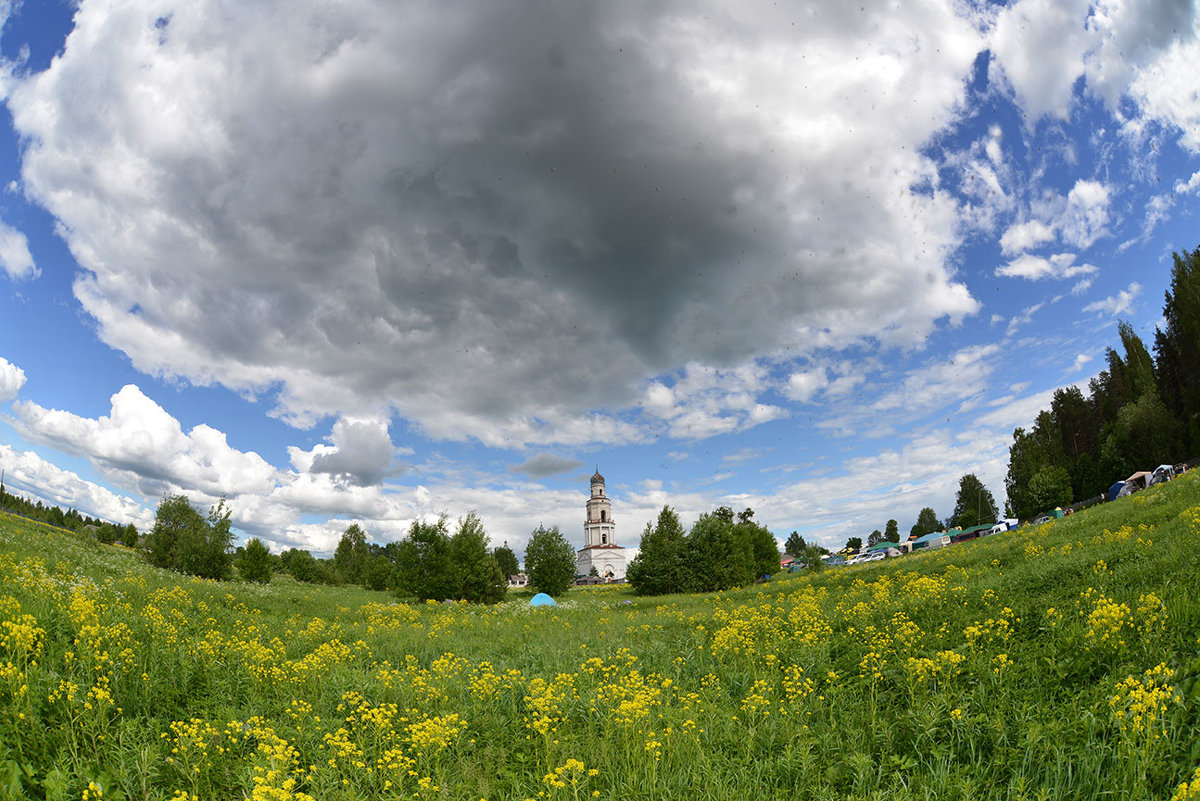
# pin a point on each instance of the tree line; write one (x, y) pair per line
(720, 552)
(71, 520)
(1139, 412)
(431, 563)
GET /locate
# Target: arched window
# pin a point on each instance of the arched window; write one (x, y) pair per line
(602, 516)
(604, 539)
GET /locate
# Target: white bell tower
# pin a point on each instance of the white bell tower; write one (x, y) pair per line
(600, 549)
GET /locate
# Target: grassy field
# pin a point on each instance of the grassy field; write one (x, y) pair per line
(1052, 662)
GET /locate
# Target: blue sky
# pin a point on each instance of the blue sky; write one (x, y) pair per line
(816, 260)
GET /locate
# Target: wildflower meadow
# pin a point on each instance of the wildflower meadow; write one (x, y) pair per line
(1057, 661)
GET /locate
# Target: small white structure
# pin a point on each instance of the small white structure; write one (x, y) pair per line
(518, 580)
(600, 549)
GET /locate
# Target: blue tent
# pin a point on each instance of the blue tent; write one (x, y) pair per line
(1115, 490)
(542, 599)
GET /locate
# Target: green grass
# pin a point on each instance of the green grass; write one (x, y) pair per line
(1052, 662)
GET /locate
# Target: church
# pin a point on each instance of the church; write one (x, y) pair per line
(600, 549)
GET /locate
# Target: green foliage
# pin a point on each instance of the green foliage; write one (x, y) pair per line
(1049, 488)
(129, 536)
(255, 562)
(795, 545)
(1177, 346)
(477, 576)
(891, 531)
(183, 541)
(423, 562)
(812, 558)
(927, 523)
(874, 538)
(301, 564)
(507, 560)
(759, 551)
(853, 544)
(712, 557)
(658, 568)
(430, 564)
(974, 504)
(377, 573)
(352, 553)
(718, 553)
(550, 561)
(1144, 436)
(1140, 411)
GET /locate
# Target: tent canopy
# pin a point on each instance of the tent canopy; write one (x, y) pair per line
(542, 599)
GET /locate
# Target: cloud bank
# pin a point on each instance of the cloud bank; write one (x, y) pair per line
(497, 218)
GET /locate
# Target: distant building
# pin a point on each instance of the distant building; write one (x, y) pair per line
(600, 549)
(518, 580)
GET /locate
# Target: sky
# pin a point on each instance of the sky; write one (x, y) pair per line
(381, 260)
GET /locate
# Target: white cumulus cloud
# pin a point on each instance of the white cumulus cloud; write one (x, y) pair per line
(12, 378)
(14, 254)
(140, 445)
(1118, 304)
(1035, 268)
(442, 210)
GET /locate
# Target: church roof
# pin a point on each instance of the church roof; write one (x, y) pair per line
(597, 478)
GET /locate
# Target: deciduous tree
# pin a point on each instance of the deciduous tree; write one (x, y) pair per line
(352, 553)
(477, 576)
(1049, 488)
(658, 568)
(423, 566)
(255, 562)
(550, 561)
(183, 541)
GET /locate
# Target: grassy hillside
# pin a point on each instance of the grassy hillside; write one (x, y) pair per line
(1052, 662)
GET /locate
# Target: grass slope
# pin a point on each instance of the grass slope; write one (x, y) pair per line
(1052, 662)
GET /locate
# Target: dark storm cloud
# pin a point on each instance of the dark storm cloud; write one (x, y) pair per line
(544, 465)
(495, 217)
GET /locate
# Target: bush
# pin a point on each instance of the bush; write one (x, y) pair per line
(185, 542)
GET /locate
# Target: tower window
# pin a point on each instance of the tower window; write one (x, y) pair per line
(602, 516)
(603, 539)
